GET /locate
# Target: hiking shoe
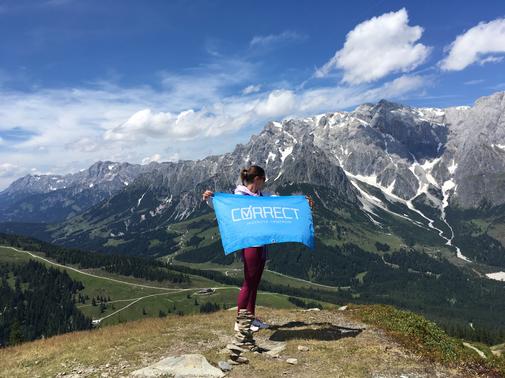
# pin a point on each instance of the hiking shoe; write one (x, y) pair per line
(257, 324)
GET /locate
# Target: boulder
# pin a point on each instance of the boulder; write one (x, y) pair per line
(187, 365)
(224, 366)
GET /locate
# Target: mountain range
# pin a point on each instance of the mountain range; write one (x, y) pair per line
(384, 176)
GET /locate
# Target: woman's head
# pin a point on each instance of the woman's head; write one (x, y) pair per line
(253, 176)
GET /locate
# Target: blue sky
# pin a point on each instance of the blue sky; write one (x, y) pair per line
(137, 81)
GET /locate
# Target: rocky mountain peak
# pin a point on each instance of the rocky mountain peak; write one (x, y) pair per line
(401, 150)
(495, 100)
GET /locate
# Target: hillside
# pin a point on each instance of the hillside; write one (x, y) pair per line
(382, 341)
(408, 212)
(339, 344)
(128, 298)
(464, 304)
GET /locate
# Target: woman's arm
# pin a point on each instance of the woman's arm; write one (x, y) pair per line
(311, 201)
(207, 197)
(209, 202)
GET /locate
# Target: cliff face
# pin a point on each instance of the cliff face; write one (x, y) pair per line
(405, 151)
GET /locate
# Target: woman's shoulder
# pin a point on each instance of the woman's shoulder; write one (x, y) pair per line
(241, 190)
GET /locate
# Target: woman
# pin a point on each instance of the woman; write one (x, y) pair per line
(254, 257)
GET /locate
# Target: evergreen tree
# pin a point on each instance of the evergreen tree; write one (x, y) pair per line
(15, 334)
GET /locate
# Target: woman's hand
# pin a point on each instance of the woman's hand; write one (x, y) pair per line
(207, 194)
(311, 201)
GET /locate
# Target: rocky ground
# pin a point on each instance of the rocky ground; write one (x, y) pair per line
(299, 344)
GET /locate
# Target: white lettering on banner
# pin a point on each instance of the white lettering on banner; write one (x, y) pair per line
(268, 210)
(233, 215)
(296, 212)
(246, 213)
(257, 211)
(263, 212)
(277, 212)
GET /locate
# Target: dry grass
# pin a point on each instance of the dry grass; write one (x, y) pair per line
(123, 348)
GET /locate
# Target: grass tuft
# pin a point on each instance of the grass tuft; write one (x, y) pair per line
(426, 338)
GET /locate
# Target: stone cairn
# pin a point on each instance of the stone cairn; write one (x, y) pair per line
(243, 339)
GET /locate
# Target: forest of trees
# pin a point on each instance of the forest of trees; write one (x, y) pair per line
(407, 279)
(301, 303)
(208, 307)
(139, 267)
(36, 302)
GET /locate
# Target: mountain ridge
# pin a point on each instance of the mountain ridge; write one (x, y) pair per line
(424, 130)
(388, 161)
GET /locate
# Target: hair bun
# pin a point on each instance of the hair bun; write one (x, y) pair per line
(247, 175)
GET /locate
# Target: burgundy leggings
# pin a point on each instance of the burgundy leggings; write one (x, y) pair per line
(254, 263)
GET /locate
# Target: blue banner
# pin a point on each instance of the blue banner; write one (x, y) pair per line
(247, 221)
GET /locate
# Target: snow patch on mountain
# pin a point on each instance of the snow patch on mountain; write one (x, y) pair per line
(141, 198)
(498, 276)
(447, 187)
(427, 167)
(271, 157)
(369, 200)
(285, 152)
(452, 168)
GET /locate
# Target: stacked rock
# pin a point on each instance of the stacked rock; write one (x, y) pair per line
(243, 339)
(235, 355)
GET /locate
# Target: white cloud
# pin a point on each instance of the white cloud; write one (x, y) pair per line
(251, 89)
(206, 83)
(378, 47)
(232, 114)
(490, 59)
(222, 117)
(71, 128)
(274, 39)
(143, 123)
(8, 169)
(150, 159)
(473, 46)
(84, 144)
(186, 125)
(278, 103)
(474, 82)
(322, 99)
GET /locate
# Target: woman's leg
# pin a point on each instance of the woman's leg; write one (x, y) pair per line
(251, 304)
(253, 267)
